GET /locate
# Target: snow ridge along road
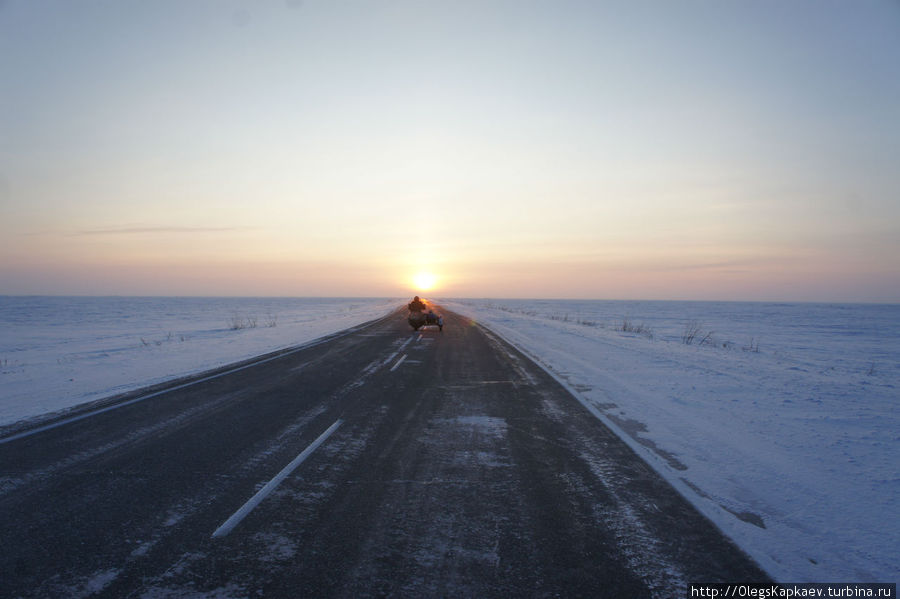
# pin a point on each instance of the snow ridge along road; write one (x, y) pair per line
(449, 464)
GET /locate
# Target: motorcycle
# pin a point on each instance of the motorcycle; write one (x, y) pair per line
(420, 319)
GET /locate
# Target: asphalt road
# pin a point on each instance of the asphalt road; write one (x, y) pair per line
(379, 462)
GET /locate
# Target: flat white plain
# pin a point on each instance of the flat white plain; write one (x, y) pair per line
(782, 426)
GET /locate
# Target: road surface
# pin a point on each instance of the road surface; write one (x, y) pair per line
(378, 462)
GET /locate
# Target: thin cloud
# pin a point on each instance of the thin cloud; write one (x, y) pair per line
(143, 230)
(737, 265)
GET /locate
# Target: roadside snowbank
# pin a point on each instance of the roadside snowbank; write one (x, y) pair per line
(782, 427)
(57, 352)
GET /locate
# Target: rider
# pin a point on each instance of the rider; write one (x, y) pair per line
(416, 305)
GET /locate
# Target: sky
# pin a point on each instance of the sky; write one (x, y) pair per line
(710, 150)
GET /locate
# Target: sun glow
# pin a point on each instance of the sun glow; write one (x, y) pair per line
(424, 281)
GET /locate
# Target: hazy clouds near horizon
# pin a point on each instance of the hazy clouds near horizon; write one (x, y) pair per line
(728, 150)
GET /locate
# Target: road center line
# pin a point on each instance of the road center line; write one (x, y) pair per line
(399, 362)
(270, 486)
(396, 353)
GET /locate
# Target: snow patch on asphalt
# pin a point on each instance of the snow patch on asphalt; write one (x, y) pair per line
(782, 427)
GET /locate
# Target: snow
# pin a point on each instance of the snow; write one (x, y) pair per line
(58, 352)
(782, 427)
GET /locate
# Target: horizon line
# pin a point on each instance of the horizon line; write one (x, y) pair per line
(449, 298)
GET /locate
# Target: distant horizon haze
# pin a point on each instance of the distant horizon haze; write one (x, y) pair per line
(402, 298)
(739, 151)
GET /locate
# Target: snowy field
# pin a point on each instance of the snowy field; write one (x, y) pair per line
(781, 422)
(56, 352)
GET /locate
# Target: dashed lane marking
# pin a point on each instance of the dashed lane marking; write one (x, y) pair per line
(399, 362)
(270, 486)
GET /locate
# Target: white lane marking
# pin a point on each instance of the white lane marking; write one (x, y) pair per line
(399, 362)
(270, 486)
(420, 338)
(396, 353)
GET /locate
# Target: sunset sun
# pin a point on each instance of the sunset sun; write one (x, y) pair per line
(424, 281)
